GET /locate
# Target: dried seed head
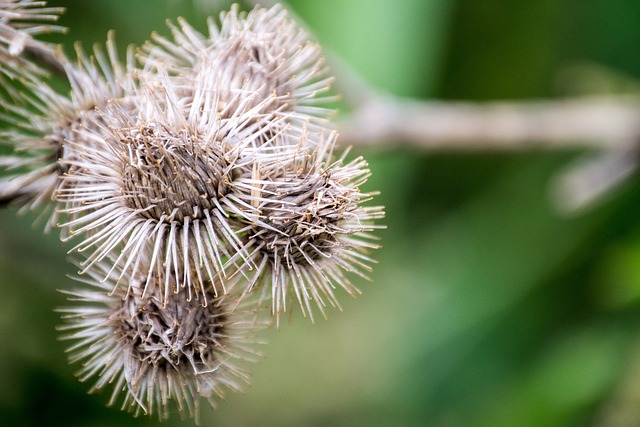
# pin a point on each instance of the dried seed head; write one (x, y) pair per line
(158, 352)
(154, 186)
(171, 176)
(260, 60)
(312, 228)
(44, 122)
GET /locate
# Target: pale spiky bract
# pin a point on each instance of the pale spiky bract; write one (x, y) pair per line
(154, 353)
(20, 21)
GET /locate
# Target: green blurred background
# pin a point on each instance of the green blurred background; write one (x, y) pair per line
(487, 308)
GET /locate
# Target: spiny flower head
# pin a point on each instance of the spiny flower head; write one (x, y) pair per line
(158, 352)
(46, 124)
(312, 228)
(262, 56)
(161, 183)
(20, 21)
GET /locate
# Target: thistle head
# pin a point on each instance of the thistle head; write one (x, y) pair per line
(47, 126)
(312, 229)
(158, 353)
(260, 61)
(155, 185)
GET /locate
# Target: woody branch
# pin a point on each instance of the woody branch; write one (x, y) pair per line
(384, 121)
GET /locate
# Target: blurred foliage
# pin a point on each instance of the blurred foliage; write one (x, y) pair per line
(488, 308)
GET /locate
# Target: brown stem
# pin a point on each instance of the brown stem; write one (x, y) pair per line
(601, 122)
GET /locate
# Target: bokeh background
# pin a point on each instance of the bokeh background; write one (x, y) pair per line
(488, 307)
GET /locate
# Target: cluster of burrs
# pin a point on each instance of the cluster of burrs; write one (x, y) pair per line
(197, 183)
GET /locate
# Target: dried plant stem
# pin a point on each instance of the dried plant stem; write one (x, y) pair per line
(610, 125)
(598, 122)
